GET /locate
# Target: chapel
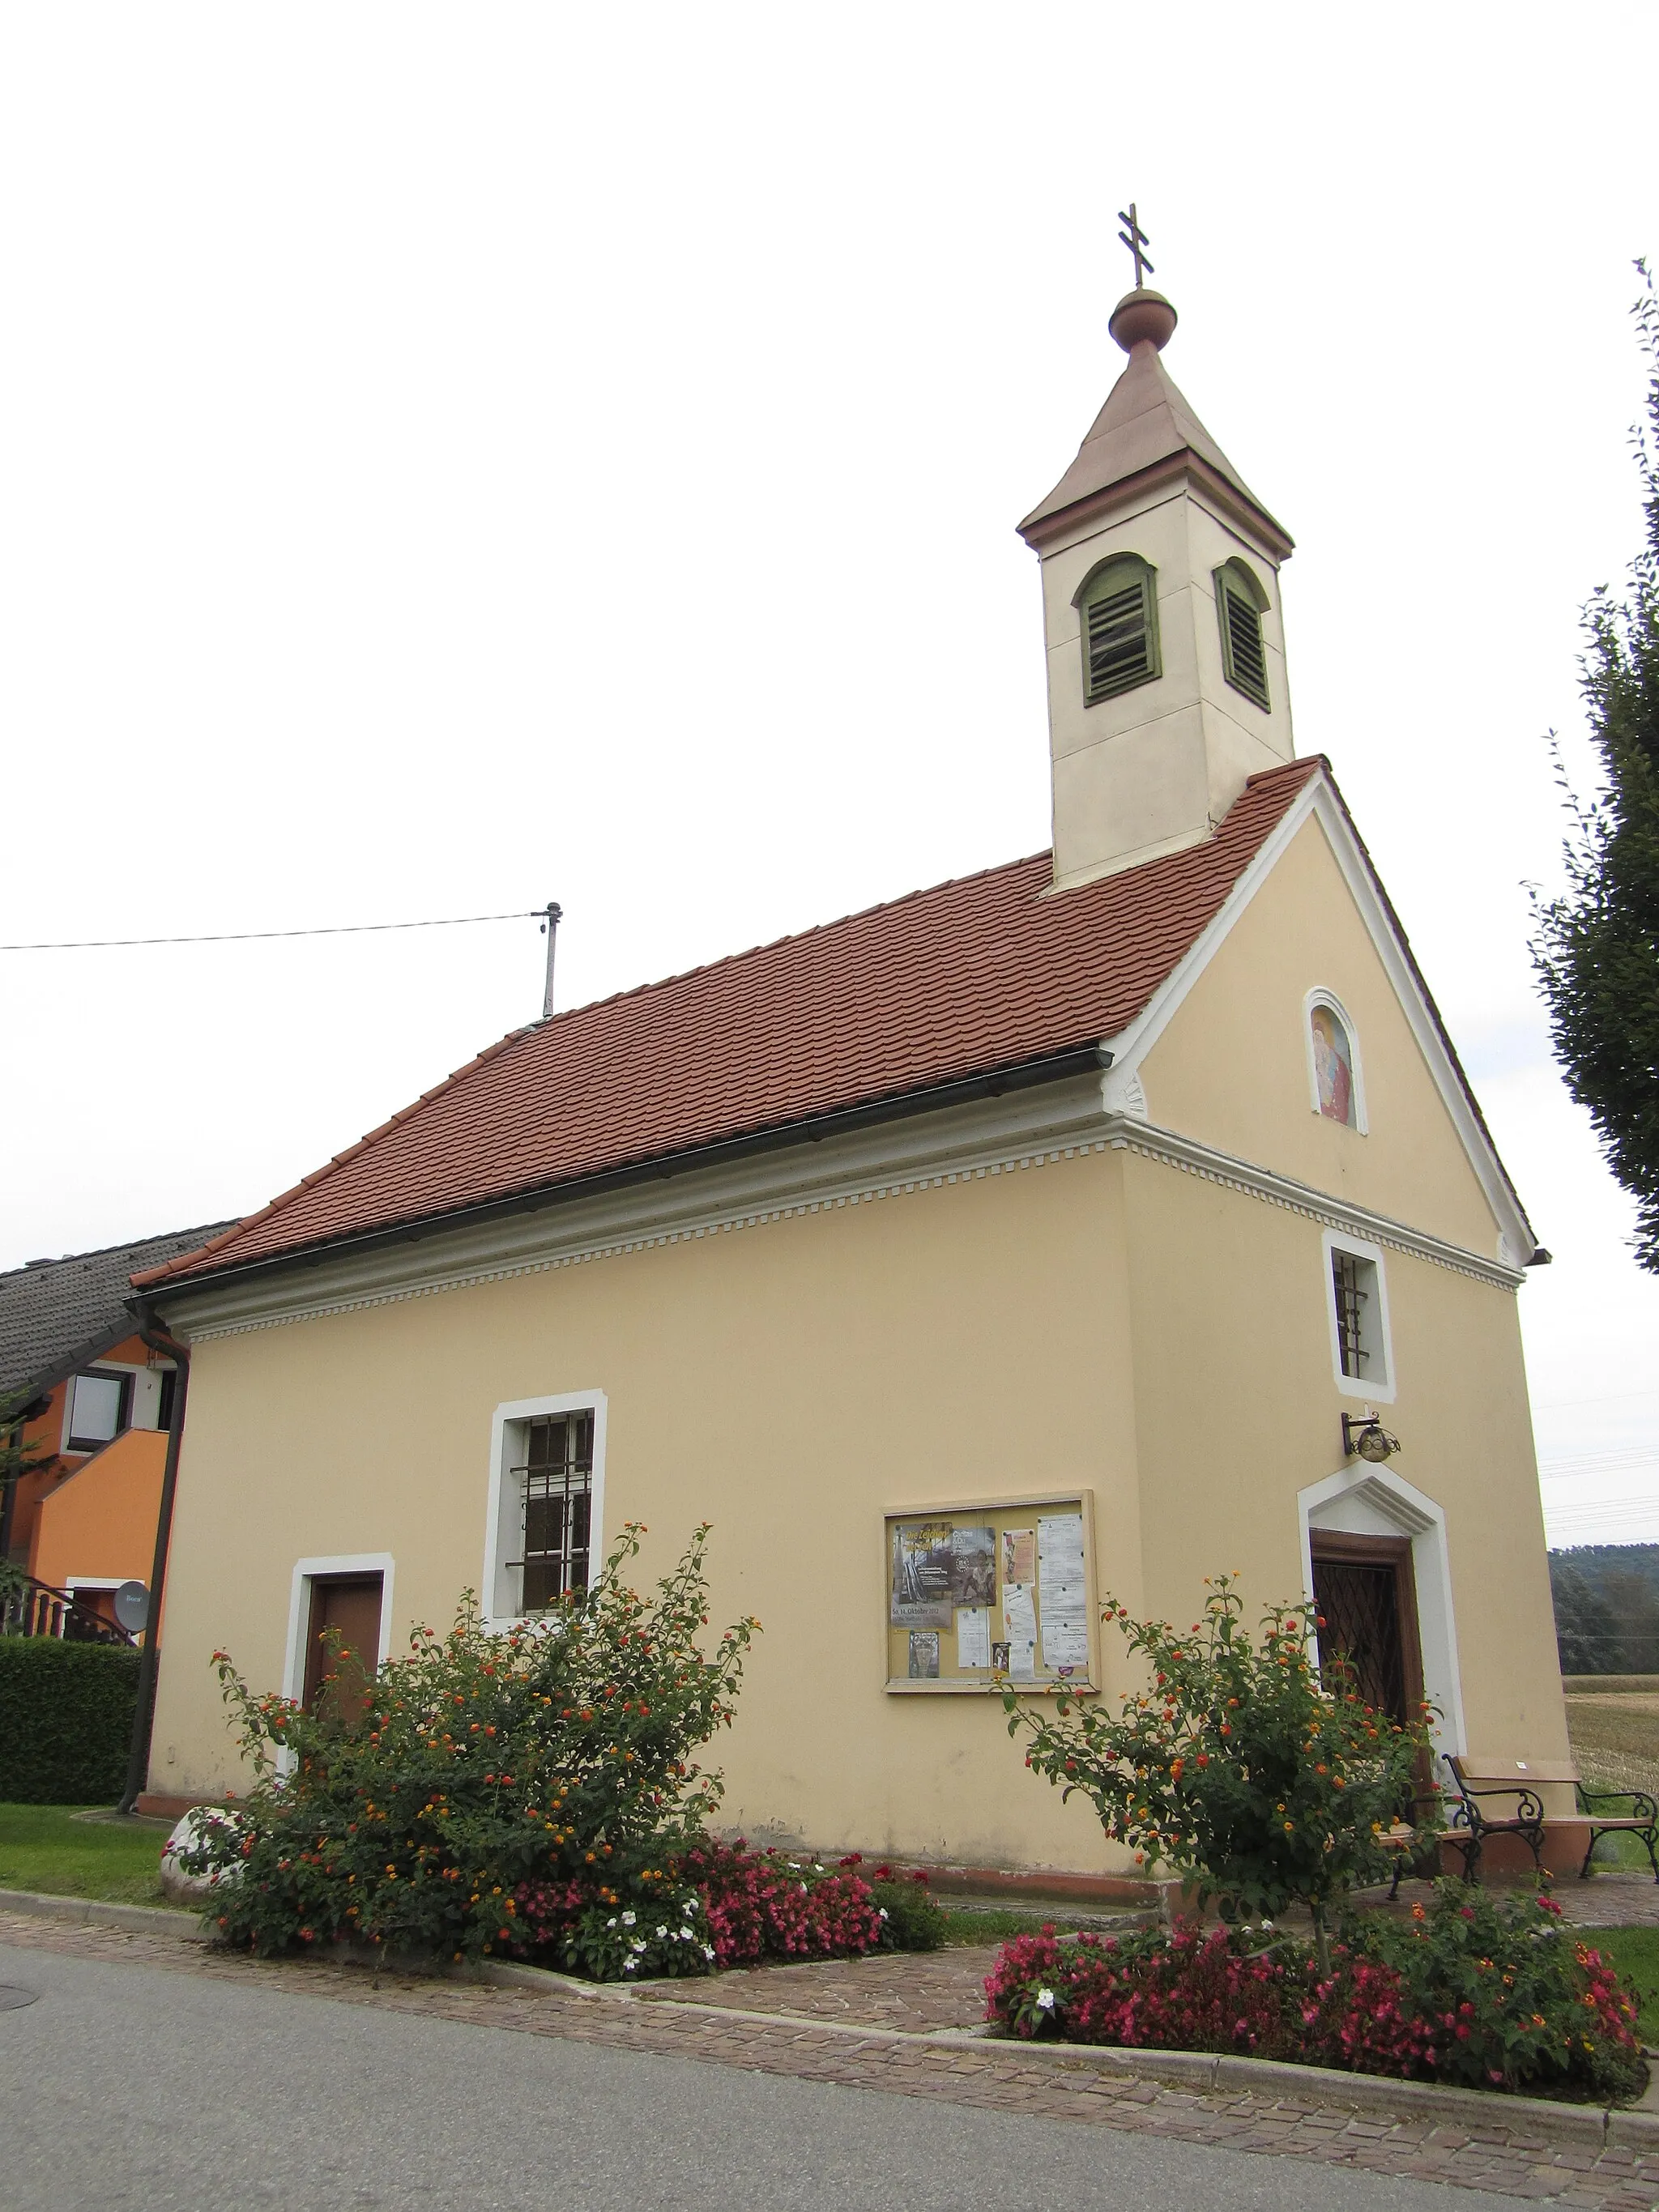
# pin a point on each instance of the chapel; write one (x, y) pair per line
(1088, 1225)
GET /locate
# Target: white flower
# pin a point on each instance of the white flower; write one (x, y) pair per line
(629, 1964)
(662, 1931)
(1267, 1927)
(1045, 2000)
(627, 1920)
(707, 1950)
(612, 1921)
(883, 1912)
(803, 1889)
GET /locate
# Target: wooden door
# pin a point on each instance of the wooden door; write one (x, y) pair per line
(351, 1604)
(1366, 1595)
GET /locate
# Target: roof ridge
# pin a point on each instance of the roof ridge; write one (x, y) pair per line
(798, 936)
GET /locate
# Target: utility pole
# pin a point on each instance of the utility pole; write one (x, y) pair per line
(551, 927)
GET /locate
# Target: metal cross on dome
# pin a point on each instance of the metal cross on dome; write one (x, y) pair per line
(1135, 237)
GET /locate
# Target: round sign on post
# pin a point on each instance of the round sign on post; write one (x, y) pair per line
(133, 1606)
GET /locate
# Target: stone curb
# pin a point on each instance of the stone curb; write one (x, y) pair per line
(1200, 2070)
(147, 1919)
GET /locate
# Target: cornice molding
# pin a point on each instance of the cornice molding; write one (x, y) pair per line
(1006, 1136)
(1125, 1133)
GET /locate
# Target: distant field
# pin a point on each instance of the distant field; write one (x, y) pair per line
(1615, 1737)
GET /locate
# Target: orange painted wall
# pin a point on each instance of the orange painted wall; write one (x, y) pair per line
(46, 1434)
(101, 1519)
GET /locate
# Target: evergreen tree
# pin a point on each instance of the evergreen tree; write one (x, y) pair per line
(1596, 948)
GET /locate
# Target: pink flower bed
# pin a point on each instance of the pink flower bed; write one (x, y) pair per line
(1488, 1994)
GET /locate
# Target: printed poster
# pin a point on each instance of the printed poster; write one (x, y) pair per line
(973, 1566)
(973, 1636)
(1019, 1555)
(924, 1655)
(1062, 1592)
(1019, 1626)
(921, 1575)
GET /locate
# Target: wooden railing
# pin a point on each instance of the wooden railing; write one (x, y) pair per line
(31, 1608)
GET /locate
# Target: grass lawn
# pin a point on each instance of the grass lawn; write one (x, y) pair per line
(995, 1926)
(42, 1847)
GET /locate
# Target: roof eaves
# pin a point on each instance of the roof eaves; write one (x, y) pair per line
(812, 1128)
(69, 1363)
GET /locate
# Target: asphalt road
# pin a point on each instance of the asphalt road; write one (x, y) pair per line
(129, 2086)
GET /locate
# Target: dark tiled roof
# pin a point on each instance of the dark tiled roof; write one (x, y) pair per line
(970, 976)
(56, 1313)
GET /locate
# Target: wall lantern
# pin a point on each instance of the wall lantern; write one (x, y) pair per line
(1363, 1437)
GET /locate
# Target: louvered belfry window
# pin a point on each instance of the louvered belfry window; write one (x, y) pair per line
(1118, 611)
(1243, 654)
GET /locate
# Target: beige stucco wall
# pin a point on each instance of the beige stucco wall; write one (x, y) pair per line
(1232, 1067)
(792, 1384)
(796, 1382)
(1239, 1410)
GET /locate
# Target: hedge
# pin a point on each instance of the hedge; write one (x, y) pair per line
(65, 1720)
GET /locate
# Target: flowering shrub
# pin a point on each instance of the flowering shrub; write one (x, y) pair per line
(1511, 1995)
(1240, 1765)
(1484, 1992)
(506, 1794)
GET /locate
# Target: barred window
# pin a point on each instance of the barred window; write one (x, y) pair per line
(555, 1484)
(1352, 1299)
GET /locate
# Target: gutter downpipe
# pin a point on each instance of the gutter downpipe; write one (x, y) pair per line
(144, 1718)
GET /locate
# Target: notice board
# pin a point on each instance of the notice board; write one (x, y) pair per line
(992, 1592)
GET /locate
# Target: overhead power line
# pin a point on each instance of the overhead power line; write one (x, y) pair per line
(251, 936)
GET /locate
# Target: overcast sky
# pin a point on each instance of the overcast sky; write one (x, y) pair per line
(459, 457)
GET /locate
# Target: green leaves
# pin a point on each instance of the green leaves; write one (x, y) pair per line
(1236, 1762)
(553, 1759)
(1596, 947)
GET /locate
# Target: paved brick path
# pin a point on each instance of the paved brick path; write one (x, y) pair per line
(1498, 2157)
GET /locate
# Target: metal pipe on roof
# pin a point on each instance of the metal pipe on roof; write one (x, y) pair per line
(143, 1717)
(555, 916)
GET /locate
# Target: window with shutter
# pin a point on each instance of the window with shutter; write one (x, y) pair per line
(1117, 609)
(1239, 601)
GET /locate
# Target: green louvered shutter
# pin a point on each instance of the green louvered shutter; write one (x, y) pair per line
(1245, 655)
(1119, 643)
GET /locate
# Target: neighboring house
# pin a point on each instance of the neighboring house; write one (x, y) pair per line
(97, 1405)
(1048, 1233)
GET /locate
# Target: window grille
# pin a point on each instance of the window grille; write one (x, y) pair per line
(1120, 630)
(1351, 1303)
(557, 1473)
(1243, 654)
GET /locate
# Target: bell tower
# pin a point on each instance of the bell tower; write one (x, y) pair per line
(1160, 596)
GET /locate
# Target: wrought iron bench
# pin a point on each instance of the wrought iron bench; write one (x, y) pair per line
(1642, 1820)
(1466, 1825)
(1470, 1826)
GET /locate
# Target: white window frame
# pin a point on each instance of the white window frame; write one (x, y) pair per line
(113, 1371)
(499, 1524)
(1319, 996)
(1360, 1500)
(1378, 1388)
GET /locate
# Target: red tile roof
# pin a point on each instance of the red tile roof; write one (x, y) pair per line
(981, 973)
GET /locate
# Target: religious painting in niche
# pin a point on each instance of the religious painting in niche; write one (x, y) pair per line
(1332, 1065)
